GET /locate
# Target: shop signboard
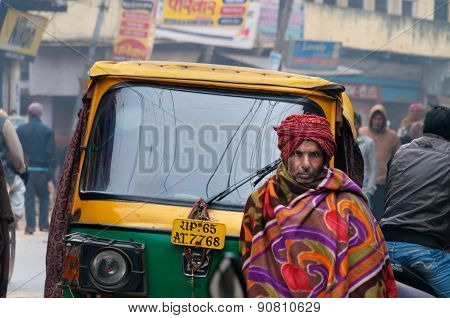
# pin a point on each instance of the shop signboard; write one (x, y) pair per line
(39, 5)
(136, 32)
(363, 91)
(268, 22)
(234, 37)
(21, 33)
(205, 13)
(315, 55)
(296, 25)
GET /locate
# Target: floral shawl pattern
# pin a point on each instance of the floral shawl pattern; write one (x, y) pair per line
(317, 242)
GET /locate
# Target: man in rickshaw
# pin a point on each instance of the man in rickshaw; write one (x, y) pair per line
(308, 231)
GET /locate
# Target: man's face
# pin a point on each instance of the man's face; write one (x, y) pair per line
(377, 122)
(306, 162)
(417, 114)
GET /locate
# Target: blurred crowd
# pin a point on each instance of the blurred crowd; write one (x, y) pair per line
(407, 183)
(378, 144)
(27, 152)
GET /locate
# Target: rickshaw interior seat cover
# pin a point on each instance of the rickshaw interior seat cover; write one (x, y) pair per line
(212, 73)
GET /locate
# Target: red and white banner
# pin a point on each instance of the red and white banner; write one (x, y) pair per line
(136, 32)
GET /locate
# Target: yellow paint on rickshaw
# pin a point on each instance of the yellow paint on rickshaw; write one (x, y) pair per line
(149, 215)
(194, 72)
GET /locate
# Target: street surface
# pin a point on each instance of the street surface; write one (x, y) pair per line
(29, 270)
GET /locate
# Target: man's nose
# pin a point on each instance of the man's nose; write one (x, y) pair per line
(306, 164)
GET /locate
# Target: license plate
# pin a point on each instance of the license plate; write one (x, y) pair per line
(197, 233)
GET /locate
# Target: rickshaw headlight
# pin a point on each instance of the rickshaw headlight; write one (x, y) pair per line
(99, 265)
(110, 267)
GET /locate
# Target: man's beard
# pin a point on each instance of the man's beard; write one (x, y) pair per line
(313, 175)
(377, 130)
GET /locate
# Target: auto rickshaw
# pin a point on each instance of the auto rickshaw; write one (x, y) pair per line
(168, 157)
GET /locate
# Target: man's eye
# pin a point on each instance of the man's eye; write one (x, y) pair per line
(315, 154)
(297, 154)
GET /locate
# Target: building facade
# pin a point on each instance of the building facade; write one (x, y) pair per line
(393, 52)
(401, 47)
(21, 33)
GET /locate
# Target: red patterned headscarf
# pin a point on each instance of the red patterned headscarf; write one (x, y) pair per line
(294, 129)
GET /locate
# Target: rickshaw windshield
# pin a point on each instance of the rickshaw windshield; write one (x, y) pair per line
(166, 144)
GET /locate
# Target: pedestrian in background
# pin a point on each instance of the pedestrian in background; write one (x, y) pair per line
(38, 142)
(367, 147)
(416, 113)
(386, 144)
(417, 219)
(415, 131)
(13, 162)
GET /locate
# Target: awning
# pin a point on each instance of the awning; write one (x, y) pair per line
(262, 62)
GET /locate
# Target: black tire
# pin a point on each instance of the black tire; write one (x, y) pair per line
(12, 249)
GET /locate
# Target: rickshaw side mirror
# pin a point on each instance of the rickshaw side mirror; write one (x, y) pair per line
(227, 280)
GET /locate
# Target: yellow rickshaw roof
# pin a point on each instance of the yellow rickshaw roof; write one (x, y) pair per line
(211, 73)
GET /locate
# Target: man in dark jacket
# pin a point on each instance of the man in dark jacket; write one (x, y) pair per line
(416, 223)
(38, 142)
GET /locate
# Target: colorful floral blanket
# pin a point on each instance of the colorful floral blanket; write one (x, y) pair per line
(315, 241)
